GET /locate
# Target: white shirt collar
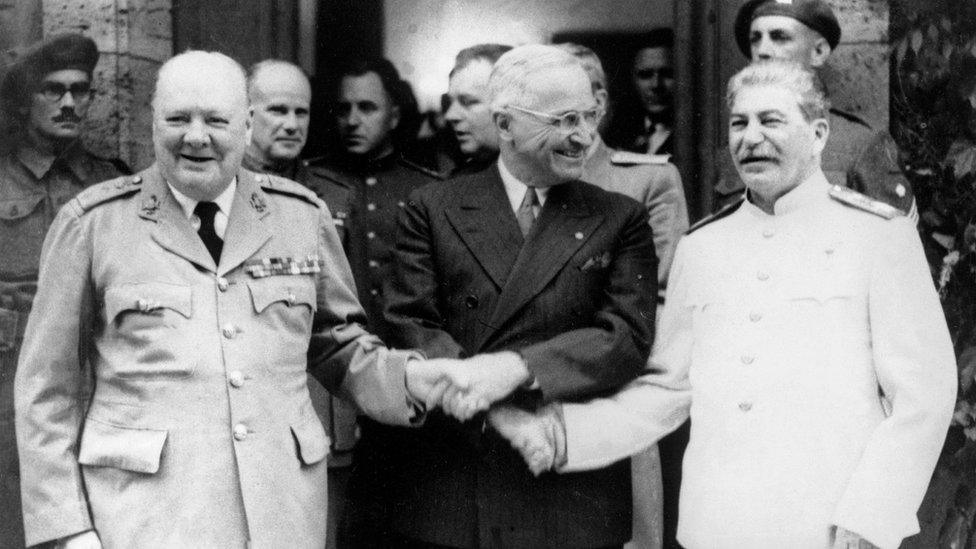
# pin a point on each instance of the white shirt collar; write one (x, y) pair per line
(515, 189)
(223, 200)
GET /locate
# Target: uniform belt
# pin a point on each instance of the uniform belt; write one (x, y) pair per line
(12, 326)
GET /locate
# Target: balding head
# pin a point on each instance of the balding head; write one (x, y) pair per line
(280, 95)
(200, 122)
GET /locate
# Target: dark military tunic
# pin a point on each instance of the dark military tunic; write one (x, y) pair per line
(366, 198)
(33, 187)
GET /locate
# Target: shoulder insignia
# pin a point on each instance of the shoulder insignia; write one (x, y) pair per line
(850, 117)
(279, 185)
(863, 202)
(107, 191)
(422, 169)
(725, 211)
(628, 158)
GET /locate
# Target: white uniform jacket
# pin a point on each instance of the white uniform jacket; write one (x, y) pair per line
(821, 371)
(161, 398)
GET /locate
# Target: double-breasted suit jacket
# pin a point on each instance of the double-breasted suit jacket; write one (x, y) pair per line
(199, 430)
(575, 299)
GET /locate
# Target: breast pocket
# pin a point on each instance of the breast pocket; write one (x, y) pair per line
(22, 229)
(148, 329)
(285, 302)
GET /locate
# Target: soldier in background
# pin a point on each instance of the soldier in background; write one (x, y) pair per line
(365, 185)
(857, 156)
(467, 111)
(44, 98)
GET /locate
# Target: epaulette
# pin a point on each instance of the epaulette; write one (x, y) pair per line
(864, 202)
(725, 211)
(280, 185)
(108, 190)
(434, 174)
(850, 117)
(627, 158)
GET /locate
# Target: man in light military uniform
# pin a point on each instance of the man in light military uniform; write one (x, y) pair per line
(857, 156)
(195, 294)
(804, 327)
(654, 182)
(45, 95)
(365, 185)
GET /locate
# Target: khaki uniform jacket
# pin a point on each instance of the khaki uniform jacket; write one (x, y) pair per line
(821, 374)
(33, 187)
(199, 431)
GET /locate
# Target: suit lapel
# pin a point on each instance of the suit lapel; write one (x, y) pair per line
(246, 230)
(486, 224)
(172, 230)
(565, 223)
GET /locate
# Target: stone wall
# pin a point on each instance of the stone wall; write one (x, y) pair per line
(857, 74)
(134, 37)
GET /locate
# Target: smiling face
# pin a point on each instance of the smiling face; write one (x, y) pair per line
(773, 146)
(280, 97)
(200, 123)
(785, 38)
(534, 149)
(366, 116)
(58, 120)
(469, 114)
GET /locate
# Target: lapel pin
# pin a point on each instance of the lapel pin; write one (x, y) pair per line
(578, 236)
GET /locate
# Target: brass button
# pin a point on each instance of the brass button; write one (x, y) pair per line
(290, 298)
(745, 406)
(755, 316)
(578, 236)
(768, 233)
(371, 235)
(236, 379)
(374, 292)
(229, 331)
(747, 359)
(371, 207)
(374, 264)
(240, 432)
(222, 284)
(762, 275)
(370, 181)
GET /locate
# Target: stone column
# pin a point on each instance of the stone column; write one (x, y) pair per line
(134, 37)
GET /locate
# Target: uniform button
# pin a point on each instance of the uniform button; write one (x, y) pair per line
(762, 275)
(747, 359)
(374, 292)
(374, 264)
(755, 316)
(222, 284)
(371, 207)
(578, 236)
(236, 379)
(137, 179)
(901, 191)
(745, 406)
(371, 235)
(370, 181)
(401, 204)
(471, 302)
(229, 331)
(768, 233)
(240, 432)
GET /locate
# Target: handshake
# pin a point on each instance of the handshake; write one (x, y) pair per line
(465, 387)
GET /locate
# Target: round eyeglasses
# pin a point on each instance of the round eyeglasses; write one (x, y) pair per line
(54, 91)
(568, 121)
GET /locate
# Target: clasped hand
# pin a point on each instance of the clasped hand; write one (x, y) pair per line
(464, 387)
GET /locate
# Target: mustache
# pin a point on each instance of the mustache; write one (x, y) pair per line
(67, 116)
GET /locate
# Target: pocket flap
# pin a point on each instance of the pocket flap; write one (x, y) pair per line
(147, 298)
(313, 443)
(20, 207)
(107, 445)
(290, 290)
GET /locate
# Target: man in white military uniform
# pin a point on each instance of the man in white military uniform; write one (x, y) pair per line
(804, 323)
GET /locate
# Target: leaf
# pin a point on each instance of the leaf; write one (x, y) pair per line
(962, 155)
(967, 368)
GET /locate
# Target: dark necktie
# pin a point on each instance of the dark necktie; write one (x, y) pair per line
(206, 211)
(525, 214)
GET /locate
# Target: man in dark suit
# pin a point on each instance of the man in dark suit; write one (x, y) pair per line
(545, 286)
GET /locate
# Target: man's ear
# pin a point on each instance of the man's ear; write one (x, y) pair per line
(502, 121)
(819, 52)
(394, 117)
(821, 131)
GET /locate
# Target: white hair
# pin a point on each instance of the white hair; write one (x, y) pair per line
(509, 82)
